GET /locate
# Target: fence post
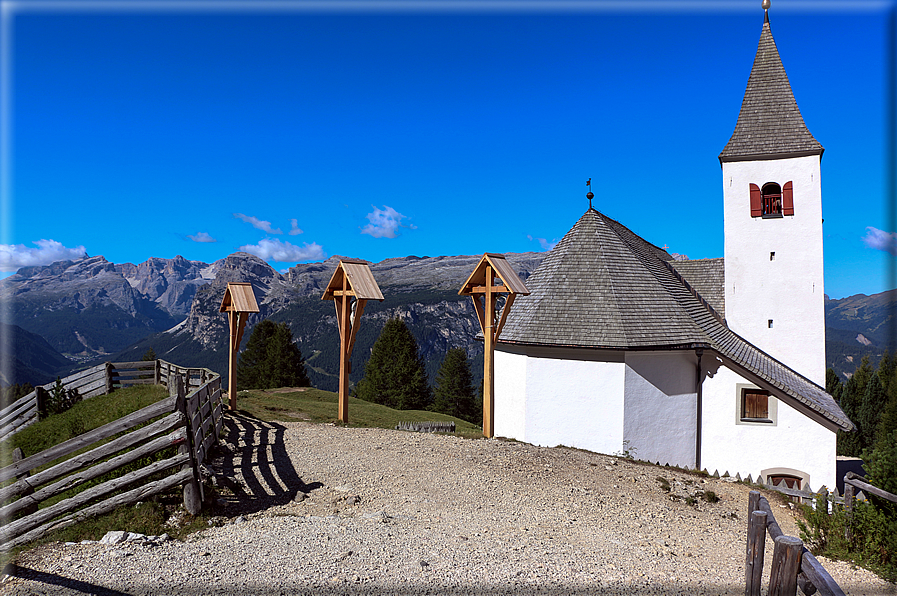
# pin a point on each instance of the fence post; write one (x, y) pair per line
(157, 379)
(18, 455)
(108, 378)
(785, 566)
(848, 509)
(40, 396)
(756, 543)
(822, 501)
(192, 491)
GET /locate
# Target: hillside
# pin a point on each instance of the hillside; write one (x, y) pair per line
(857, 326)
(34, 360)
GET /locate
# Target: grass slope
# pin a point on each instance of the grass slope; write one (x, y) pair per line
(305, 403)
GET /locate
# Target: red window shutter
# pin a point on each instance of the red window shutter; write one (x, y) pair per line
(756, 199)
(787, 199)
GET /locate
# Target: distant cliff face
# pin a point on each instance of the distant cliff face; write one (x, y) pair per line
(421, 291)
(170, 283)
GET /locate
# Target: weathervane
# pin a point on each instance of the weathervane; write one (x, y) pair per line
(590, 195)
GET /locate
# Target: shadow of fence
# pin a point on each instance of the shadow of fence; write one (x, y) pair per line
(255, 454)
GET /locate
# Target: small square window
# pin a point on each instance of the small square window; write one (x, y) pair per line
(770, 323)
(772, 256)
(755, 405)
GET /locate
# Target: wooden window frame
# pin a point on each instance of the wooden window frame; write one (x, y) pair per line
(772, 201)
(742, 390)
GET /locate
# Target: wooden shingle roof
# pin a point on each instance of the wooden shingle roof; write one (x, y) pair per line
(769, 124)
(602, 286)
(707, 277)
(361, 281)
(238, 297)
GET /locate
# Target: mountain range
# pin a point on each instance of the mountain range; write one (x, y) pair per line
(74, 313)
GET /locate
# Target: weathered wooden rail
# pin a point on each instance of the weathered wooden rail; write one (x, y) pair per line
(793, 566)
(191, 422)
(97, 380)
(427, 427)
(853, 482)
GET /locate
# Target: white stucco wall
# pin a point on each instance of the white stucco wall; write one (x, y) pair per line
(510, 395)
(660, 410)
(569, 397)
(789, 289)
(793, 441)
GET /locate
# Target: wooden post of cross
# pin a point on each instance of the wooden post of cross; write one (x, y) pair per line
(350, 287)
(238, 303)
(482, 282)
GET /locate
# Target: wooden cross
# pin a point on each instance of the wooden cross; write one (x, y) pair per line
(482, 283)
(352, 279)
(238, 303)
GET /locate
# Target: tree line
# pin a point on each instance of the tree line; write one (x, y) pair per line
(869, 399)
(395, 374)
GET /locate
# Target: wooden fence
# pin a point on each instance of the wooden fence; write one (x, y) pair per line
(793, 565)
(94, 381)
(427, 427)
(192, 422)
(853, 482)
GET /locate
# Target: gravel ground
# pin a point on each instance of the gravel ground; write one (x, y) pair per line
(389, 512)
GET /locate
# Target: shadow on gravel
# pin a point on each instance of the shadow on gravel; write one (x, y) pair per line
(255, 451)
(74, 585)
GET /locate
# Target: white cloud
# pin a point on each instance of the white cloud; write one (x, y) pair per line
(257, 223)
(14, 256)
(272, 249)
(881, 240)
(385, 222)
(296, 229)
(545, 244)
(202, 237)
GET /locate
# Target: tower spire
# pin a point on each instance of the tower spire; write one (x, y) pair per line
(769, 125)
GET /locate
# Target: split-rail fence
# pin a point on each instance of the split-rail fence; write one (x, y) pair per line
(97, 380)
(190, 422)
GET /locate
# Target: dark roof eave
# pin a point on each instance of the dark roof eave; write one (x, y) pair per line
(818, 413)
(770, 156)
(646, 348)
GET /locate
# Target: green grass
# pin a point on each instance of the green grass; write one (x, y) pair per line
(84, 416)
(315, 405)
(147, 518)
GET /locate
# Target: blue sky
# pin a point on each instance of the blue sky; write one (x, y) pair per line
(375, 130)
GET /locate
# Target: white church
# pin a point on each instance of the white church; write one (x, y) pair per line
(714, 364)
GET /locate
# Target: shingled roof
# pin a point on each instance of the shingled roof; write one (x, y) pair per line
(707, 277)
(604, 287)
(769, 124)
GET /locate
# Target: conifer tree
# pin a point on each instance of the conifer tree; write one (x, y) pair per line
(869, 413)
(850, 443)
(833, 385)
(394, 374)
(271, 359)
(454, 393)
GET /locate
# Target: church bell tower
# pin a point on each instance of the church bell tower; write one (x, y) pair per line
(773, 221)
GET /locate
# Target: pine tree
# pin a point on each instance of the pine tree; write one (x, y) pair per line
(149, 355)
(271, 359)
(869, 412)
(850, 443)
(454, 393)
(394, 374)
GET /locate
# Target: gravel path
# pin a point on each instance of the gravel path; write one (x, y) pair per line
(391, 512)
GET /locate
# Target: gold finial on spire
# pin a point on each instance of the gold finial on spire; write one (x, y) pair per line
(766, 11)
(590, 195)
